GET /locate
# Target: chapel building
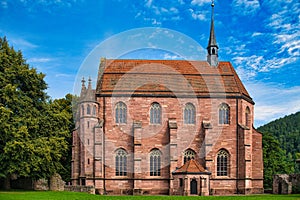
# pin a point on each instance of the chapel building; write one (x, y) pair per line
(167, 127)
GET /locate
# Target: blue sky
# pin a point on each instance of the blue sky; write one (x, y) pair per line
(260, 37)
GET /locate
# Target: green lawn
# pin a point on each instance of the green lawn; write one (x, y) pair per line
(28, 195)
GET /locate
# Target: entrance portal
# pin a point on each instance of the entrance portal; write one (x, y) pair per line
(193, 186)
(279, 188)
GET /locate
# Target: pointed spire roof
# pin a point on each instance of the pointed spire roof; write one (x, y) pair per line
(212, 38)
(90, 93)
(83, 82)
(87, 94)
(83, 88)
(90, 84)
(212, 48)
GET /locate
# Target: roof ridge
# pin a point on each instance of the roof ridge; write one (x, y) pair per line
(200, 168)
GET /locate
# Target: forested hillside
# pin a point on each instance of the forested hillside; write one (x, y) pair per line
(281, 145)
(287, 131)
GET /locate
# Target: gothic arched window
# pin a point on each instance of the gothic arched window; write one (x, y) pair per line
(224, 114)
(121, 162)
(121, 113)
(188, 155)
(82, 109)
(94, 110)
(88, 110)
(222, 163)
(247, 116)
(155, 114)
(155, 162)
(189, 114)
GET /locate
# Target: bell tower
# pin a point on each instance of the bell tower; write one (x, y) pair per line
(212, 47)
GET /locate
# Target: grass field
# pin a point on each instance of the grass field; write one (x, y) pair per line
(28, 195)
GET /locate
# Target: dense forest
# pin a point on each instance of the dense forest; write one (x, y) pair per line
(281, 145)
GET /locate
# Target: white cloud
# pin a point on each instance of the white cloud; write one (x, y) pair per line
(284, 25)
(156, 12)
(277, 20)
(198, 15)
(181, 2)
(3, 4)
(254, 62)
(170, 10)
(153, 21)
(276, 63)
(293, 48)
(173, 10)
(56, 2)
(49, 6)
(256, 34)
(171, 57)
(39, 60)
(200, 2)
(280, 6)
(282, 38)
(21, 43)
(278, 46)
(246, 7)
(148, 3)
(273, 101)
(249, 66)
(289, 43)
(245, 74)
(63, 75)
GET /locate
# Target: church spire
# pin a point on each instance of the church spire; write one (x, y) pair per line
(90, 84)
(83, 88)
(212, 47)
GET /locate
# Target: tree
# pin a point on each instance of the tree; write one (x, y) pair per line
(65, 105)
(32, 133)
(287, 131)
(275, 160)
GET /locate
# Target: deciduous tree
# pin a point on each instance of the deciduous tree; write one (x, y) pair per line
(275, 160)
(33, 130)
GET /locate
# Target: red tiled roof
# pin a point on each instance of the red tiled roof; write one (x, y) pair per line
(168, 78)
(191, 166)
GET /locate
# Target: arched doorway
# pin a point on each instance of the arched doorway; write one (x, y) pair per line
(193, 186)
(279, 188)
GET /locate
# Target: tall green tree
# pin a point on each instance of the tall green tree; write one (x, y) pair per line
(287, 131)
(32, 131)
(275, 159)
(64, 106)
(281, 141)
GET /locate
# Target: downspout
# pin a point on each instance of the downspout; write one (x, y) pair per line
(94, 146)
(94, 153)
(103, 147)
(237, 146)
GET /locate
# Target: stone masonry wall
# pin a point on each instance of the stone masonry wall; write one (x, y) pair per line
(286, 184)
(56, 183)
(157, 136)
(78, 188)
